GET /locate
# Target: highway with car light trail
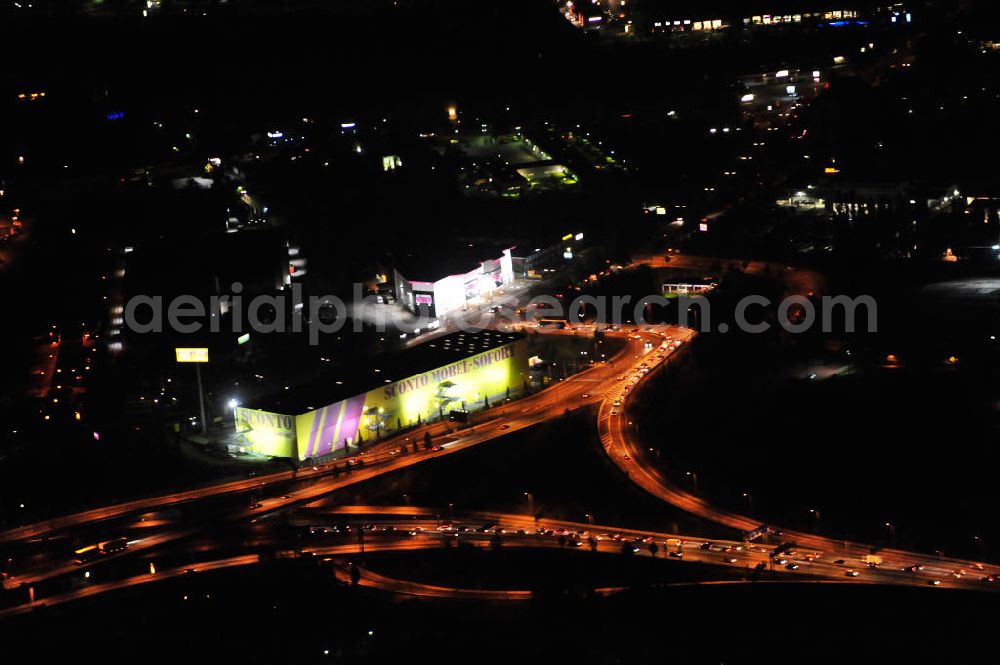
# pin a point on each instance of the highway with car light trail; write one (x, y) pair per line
(407, 528)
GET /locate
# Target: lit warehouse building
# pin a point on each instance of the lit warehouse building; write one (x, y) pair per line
(451, 284)
(463, 371)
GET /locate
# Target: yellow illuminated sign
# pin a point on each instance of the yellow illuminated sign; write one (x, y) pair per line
(192, 355)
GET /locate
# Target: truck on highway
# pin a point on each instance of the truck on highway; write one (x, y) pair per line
(113, 546)
(873, 560)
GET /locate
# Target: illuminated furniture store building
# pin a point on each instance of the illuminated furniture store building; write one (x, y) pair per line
(451, 283)
(463, 371)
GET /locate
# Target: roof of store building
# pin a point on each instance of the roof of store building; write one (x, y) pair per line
(457, 258)
(355, 378)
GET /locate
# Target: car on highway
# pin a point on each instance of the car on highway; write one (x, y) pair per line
(614, 413)
(255, 505)
(505, 426)
(626, 456)
(730, 559)
(617, 402)
(852, 573)
(676, 555)
(792, 566)
(585, 396)
(934, 582)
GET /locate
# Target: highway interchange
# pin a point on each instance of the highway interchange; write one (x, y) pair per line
(171, 523)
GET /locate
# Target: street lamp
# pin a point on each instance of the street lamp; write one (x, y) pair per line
(233, 403)
(749, 497)
(694, 479)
